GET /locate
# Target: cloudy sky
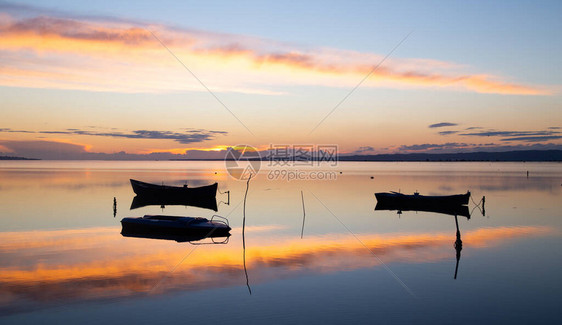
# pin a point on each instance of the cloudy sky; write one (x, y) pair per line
(143, 78)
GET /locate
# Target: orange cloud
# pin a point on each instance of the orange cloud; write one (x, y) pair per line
(75, 54)
(61, 34)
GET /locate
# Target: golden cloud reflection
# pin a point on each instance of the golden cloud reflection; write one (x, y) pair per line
(68, 265)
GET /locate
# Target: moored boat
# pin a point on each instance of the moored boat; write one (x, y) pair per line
(416, 198)
(161, 191)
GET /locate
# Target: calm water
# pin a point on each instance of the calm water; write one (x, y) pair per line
(63, 259)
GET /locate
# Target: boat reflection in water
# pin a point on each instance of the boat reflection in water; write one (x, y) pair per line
(454, 210)
(451, 204)
(142, 188)
(140, 201)
(180, 229)
(454, 205)
(162, 195)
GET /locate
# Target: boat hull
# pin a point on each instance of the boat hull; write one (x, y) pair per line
(173, 192)
(452, 204)
(398, 198)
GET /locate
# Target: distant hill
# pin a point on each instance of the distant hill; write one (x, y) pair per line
(524, 155)
(16, 158)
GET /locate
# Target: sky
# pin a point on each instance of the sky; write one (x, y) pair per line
(151, 80)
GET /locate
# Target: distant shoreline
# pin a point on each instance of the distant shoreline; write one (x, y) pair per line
(16, 158)
(507, 156)
(524, 155)
(481, 156)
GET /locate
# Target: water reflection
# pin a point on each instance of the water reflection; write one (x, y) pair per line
(453, 210)
(446, 204)
(458, 246)
(84, 264)
(449, 205)
(303, 215)
(244, 234)
(194, 239)
(162, 195)
(521, 184)
(140, 201)
(182, 196)
(58, 246)
(178, 228)
(165, 227)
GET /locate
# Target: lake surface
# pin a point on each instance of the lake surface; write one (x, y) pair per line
(63, 258)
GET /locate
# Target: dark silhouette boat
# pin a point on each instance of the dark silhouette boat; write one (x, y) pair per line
(166, 226)
(209, 202)
(190, 237)
(174, 192)
(455, 205)
(417, 199)
(453, 210)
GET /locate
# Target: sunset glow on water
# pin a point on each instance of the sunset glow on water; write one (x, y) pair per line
(61, 245)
